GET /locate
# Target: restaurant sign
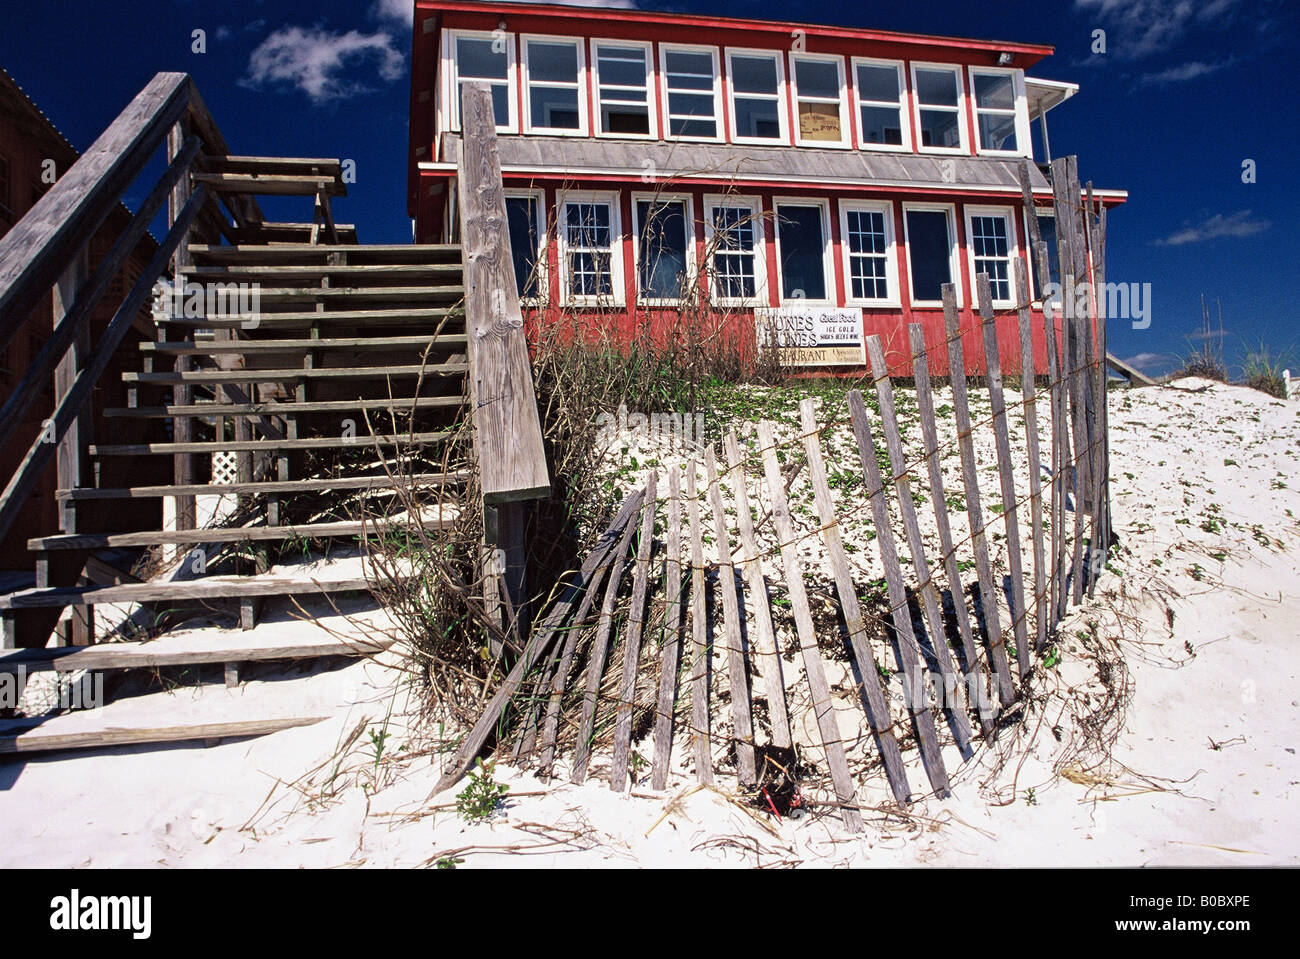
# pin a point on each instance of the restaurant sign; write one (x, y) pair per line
(812, 335)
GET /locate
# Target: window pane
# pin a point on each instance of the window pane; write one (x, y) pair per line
(995, 91)
(554, 107)
(754, 75)
(757, 118)
(882, 125)
(867, 254)
(733, 261)
(663, 249)
(878, 83)
(475, 58)
(552, 62)
(936, 87)
(621, 66)
(624, 118)
(819, 121)
(866, 231)
(929, 253)
(817, 78)
(802, 246)
(690, 104)
(997, 131)
(692, 128)
(521, 216)
(991, 246)
(689, 71)
(500, 103)
(940, 128)
(1047, 228)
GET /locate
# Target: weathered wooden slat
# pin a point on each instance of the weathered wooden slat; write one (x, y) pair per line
(508, 432)
(42, 243)
(360, 441)
(1099, 255)
(40, 740)
(398, 405)
(382, 482)
(742, 715)
(763, 636)
(670, 651)
(976, 681)
(298, 319)
(1006, 475)
(700, 645)
(1029, 398)
(954, 700)
(270, 185)
(260, 253)
(211, 376)
(1060, 456)
(876, 708)
(244, 347)
(598, 654)
(822, 703)
(231, 534)
(536, 646)
(632, 638)
(974, 509)
(909, 654)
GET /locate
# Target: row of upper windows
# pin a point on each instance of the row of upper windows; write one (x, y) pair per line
(588, 234)
(555, 77)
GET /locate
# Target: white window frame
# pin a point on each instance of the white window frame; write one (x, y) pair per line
(664, 50)
(688, 205)
(543, 279)
(526, 108)
(782, 96)
(845, 141)
(755, 206)
(618, 280)
(828, 251)
(450, 105)
(904, 113)
(962, 132)
(1008, 215)
(651, 91)
(1021, 110)
(891, 252)
(954, 253)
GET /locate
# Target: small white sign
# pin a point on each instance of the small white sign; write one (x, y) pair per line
(812, 335)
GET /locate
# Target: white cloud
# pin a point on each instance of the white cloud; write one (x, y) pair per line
(1149, 361)
(312, 60)
(1183, 72)
(1235, 225)
(396, 11)
(1144, 27)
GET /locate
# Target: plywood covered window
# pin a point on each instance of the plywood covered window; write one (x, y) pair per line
(819, 100)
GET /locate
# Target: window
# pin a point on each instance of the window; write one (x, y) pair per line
(940, 121)
(734, 234)
(757, 102)
(996, 115)
(524, 219)
(870, 266)
(623, 104)
(664, 246)
(879, 91)
(931, 253)
(487, 59)
(1046, 217)
(691, 85)
(819, 100)
(553, 85)
(802, 243)
(590, 248)
(992, 246)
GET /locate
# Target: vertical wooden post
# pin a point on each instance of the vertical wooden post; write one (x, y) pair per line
(183, 427)
(700, 645)
(1029, 399)
(670, 652)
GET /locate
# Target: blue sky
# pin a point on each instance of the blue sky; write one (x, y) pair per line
(1184, 94)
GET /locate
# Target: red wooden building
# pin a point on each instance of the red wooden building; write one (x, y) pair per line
(814, 177)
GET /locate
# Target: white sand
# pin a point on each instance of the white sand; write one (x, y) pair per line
(1195, 628)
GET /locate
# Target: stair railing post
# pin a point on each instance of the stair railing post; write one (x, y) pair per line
(183, 463)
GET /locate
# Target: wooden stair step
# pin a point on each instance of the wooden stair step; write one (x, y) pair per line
(284, 232)
(252, 254)
(239, 347)
(270, 487)
(305, 319)
(319, 166)
(400, 405)
(391, 294)
(272, 184)
(289, 375)
(363, 442)
(234, 534)
(366, 271)
(14, 741)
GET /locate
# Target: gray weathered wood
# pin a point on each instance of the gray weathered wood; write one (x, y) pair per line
(1060, 453)
(953, 699)
(976, 681)
(916, 693)
(670, 651)
(632, 638)
(314, 443)
(763, 636)
(233, 534)
(508, 433)
(822, 703)
(315, 485)
(974, 509)
(1029, 397)
(41, 740)
(876, 708)
(1006, 474)
(700, 645)
(738, 683)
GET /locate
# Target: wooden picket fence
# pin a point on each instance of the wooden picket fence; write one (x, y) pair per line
(580, 685)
